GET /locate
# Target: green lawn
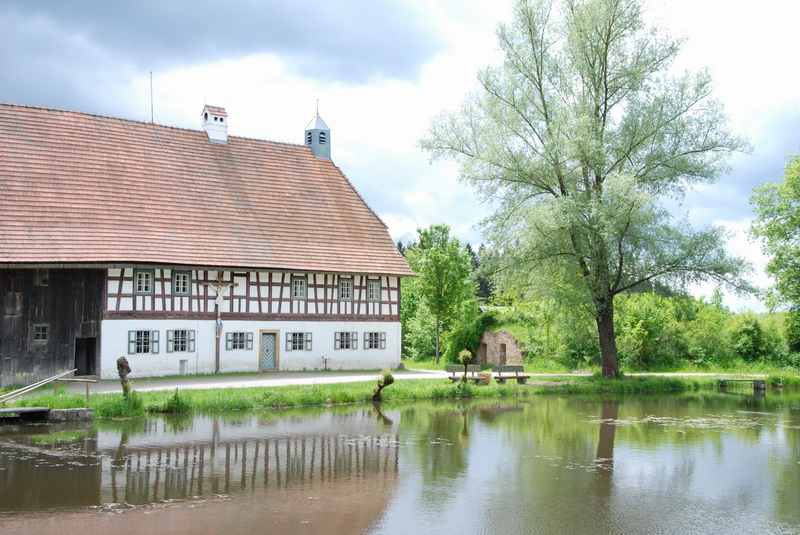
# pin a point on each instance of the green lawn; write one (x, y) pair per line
(539, 366)
(270, 398)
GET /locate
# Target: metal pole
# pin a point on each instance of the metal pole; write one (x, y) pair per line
(217, 333)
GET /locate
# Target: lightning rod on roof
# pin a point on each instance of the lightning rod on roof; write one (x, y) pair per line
(151, 98)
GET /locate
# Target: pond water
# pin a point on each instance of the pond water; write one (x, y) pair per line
(687, 464)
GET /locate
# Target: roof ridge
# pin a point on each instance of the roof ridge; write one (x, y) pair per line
(138, 121)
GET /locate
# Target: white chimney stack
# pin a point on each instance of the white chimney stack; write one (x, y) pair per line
(215, 123)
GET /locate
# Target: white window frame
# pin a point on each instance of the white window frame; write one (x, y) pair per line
(299, 288)
(345, 341)
(374, 340)
(373, 293)
(38, 329)
(150, 275)
(298, 341)
(141, 339)
(345, 282)
(175, 286)
(239, 341)
(181, 341)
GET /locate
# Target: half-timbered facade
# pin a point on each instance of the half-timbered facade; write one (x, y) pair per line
(185, 251)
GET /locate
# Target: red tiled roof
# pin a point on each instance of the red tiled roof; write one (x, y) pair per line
(216, 110)
(80, 188)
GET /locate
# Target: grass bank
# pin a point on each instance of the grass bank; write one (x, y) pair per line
(269, 398)
(263, 398)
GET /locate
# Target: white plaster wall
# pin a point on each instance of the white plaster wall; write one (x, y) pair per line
(115, 344)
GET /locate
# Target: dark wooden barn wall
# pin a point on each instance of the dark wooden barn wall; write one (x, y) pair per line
(71, 304)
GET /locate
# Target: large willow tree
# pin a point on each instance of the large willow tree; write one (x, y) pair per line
(574, 138)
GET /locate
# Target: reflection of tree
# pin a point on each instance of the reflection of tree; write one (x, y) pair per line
(382, 418)
(605, 449)
(118, 462)
(608, 428)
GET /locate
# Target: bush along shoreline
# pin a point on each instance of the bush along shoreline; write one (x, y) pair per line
(275, 398)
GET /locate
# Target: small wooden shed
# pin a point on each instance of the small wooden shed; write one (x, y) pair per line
(499, 348)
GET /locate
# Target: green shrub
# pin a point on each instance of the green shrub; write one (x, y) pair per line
(648, 332)
(467, 331)
(791, 328)
(708, 336)
(748, 339)
(175, 404)
(420, 335)
(117, 406)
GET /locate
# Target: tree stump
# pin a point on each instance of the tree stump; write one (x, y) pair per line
(123, 368)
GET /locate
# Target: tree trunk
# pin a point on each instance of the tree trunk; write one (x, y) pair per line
(438, 329)
(608, 339)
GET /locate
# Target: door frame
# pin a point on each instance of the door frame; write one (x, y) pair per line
(276, 332)
(88, 362)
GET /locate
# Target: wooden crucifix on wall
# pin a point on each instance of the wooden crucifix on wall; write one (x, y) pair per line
(219, 286)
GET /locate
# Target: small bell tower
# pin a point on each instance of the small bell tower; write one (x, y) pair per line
(318, 137)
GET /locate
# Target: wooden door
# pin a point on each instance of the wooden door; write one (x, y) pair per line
(267, 354)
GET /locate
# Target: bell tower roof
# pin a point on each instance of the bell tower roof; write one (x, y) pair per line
(318, 137)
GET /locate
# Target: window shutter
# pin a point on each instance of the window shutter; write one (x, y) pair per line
(308, 341)
(191, 341)
(249, 342)
(228, 341)
(154, 342)
(366, 340)
(383, 340)
(354, 338)
(337, 340)
(170, 341)
(288, 341)
(131, 342)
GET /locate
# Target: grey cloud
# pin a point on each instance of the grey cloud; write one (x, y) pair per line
(729, 198)
(64, 53)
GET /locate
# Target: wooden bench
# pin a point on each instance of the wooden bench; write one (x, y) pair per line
(511, 372)
(456, 372)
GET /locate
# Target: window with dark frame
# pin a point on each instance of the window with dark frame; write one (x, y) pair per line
(180, 341)
(142, 342)
(142, 281)
(374, 340)
(299, 288)
(42, 277)
(238, 341)
(345, 340)
(181, 282)
(345, 289)
(298, 341)
(373, 290)
(41, 332)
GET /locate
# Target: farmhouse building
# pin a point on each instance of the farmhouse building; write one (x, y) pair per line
(186, 251)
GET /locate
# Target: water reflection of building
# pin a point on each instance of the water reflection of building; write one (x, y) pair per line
(156, 460)
(145, 475)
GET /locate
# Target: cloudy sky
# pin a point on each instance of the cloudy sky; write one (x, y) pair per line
(381, 70)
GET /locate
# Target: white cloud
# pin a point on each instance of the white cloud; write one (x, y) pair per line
(742, 245)
(376, 124)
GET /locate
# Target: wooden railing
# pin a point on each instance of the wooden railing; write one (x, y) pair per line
(33, 386)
